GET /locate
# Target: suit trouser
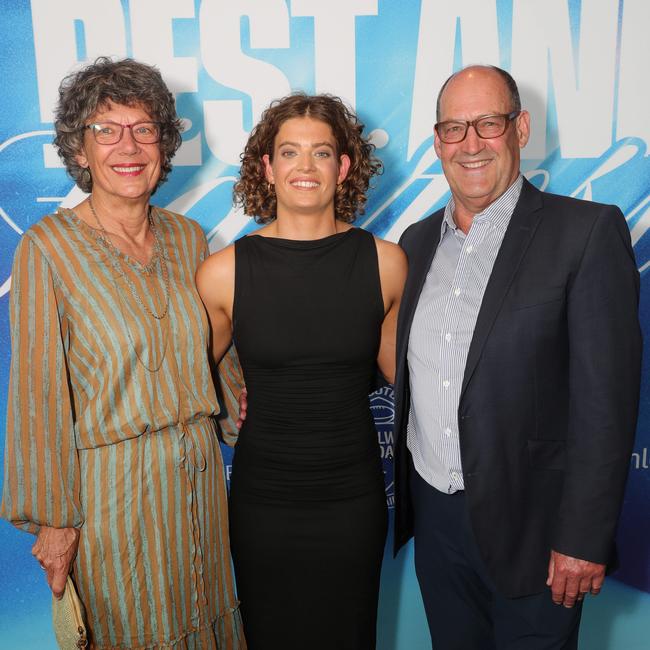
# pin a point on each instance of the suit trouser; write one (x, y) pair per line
(463, 608)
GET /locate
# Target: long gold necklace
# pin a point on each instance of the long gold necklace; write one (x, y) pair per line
(160, 256)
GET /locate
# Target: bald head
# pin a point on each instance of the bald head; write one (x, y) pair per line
(504, 77)
(479, 168)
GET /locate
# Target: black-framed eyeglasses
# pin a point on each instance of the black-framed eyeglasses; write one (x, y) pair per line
(487, 127)
(112, 132)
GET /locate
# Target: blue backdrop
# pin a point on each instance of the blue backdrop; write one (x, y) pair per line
(582, 70)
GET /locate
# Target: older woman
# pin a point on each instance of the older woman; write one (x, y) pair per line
(112, 455)
(311, 303)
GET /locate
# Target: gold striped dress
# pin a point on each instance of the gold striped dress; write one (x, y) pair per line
(110, 429)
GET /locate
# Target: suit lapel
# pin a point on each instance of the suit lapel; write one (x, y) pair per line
(420, 257)
(516, 240)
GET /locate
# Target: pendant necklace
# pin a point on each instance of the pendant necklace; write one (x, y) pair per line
(159, 255)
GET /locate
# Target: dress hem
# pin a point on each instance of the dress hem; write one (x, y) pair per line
(233, 612)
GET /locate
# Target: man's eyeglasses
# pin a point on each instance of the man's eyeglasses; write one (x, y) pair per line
(111, 132)
(488, 127)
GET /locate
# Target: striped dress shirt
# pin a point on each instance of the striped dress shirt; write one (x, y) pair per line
(441, 333)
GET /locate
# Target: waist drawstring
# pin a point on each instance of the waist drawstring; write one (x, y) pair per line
(189, 451)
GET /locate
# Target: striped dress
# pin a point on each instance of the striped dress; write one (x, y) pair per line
(110, 430)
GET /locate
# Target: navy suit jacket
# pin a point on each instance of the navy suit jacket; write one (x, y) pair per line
(550, 393)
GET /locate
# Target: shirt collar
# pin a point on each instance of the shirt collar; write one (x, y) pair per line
(498, 213)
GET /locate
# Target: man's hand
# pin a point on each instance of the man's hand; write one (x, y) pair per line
(243, 405)
(570, 578)
(55, 549)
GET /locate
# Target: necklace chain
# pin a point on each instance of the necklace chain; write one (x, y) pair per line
(159, 253)
(115, 256)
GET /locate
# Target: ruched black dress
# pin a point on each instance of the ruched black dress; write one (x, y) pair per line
(307, 506)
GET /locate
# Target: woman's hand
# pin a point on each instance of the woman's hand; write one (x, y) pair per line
(243, 406)
(55, 549)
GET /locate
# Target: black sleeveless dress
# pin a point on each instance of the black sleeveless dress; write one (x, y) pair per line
(307, 505)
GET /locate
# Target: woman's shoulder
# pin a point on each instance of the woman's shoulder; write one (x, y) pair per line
(387, 249)
(219, 264)
(384, 247)
(391, 258)
(216, 274)
(176, 221)
(181, 233)
(52, 233)
(60, 221)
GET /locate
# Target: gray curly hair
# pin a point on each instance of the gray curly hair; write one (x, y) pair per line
(126, 82)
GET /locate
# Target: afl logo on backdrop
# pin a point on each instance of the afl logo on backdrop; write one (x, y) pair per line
(381, 406)
(383, 412)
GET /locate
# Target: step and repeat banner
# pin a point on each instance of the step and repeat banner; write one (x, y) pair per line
(582, 70)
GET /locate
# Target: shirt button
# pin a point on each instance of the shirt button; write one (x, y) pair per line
(469, 249)
(457, 292)
(447, 432)
(454, 475)
(448, 336)
(446, 383)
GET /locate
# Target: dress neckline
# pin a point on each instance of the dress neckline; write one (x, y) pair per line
(303, 243)
(96, 236)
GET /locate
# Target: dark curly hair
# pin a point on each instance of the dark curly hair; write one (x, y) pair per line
(253, 193)
(126, 82)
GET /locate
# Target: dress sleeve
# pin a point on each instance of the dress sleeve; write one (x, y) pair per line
(204, 250)
(42, 477)
(231, 384)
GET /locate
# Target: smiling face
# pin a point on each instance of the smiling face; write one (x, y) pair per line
(305, 167)
(127, 169)
(480, 170)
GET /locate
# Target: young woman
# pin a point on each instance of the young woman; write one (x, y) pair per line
(311, 303)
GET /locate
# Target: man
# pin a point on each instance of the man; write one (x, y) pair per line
(517, 386)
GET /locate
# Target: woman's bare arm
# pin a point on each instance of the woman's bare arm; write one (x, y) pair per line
(392, 273)
(215, 282)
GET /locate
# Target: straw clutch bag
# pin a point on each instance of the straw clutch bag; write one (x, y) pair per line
(68, 619)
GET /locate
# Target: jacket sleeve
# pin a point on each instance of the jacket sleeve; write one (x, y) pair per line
(42, 478)
(604, 379)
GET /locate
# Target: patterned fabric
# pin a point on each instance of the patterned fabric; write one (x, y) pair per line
(230, 383)
(110, 429)
(442, 331)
